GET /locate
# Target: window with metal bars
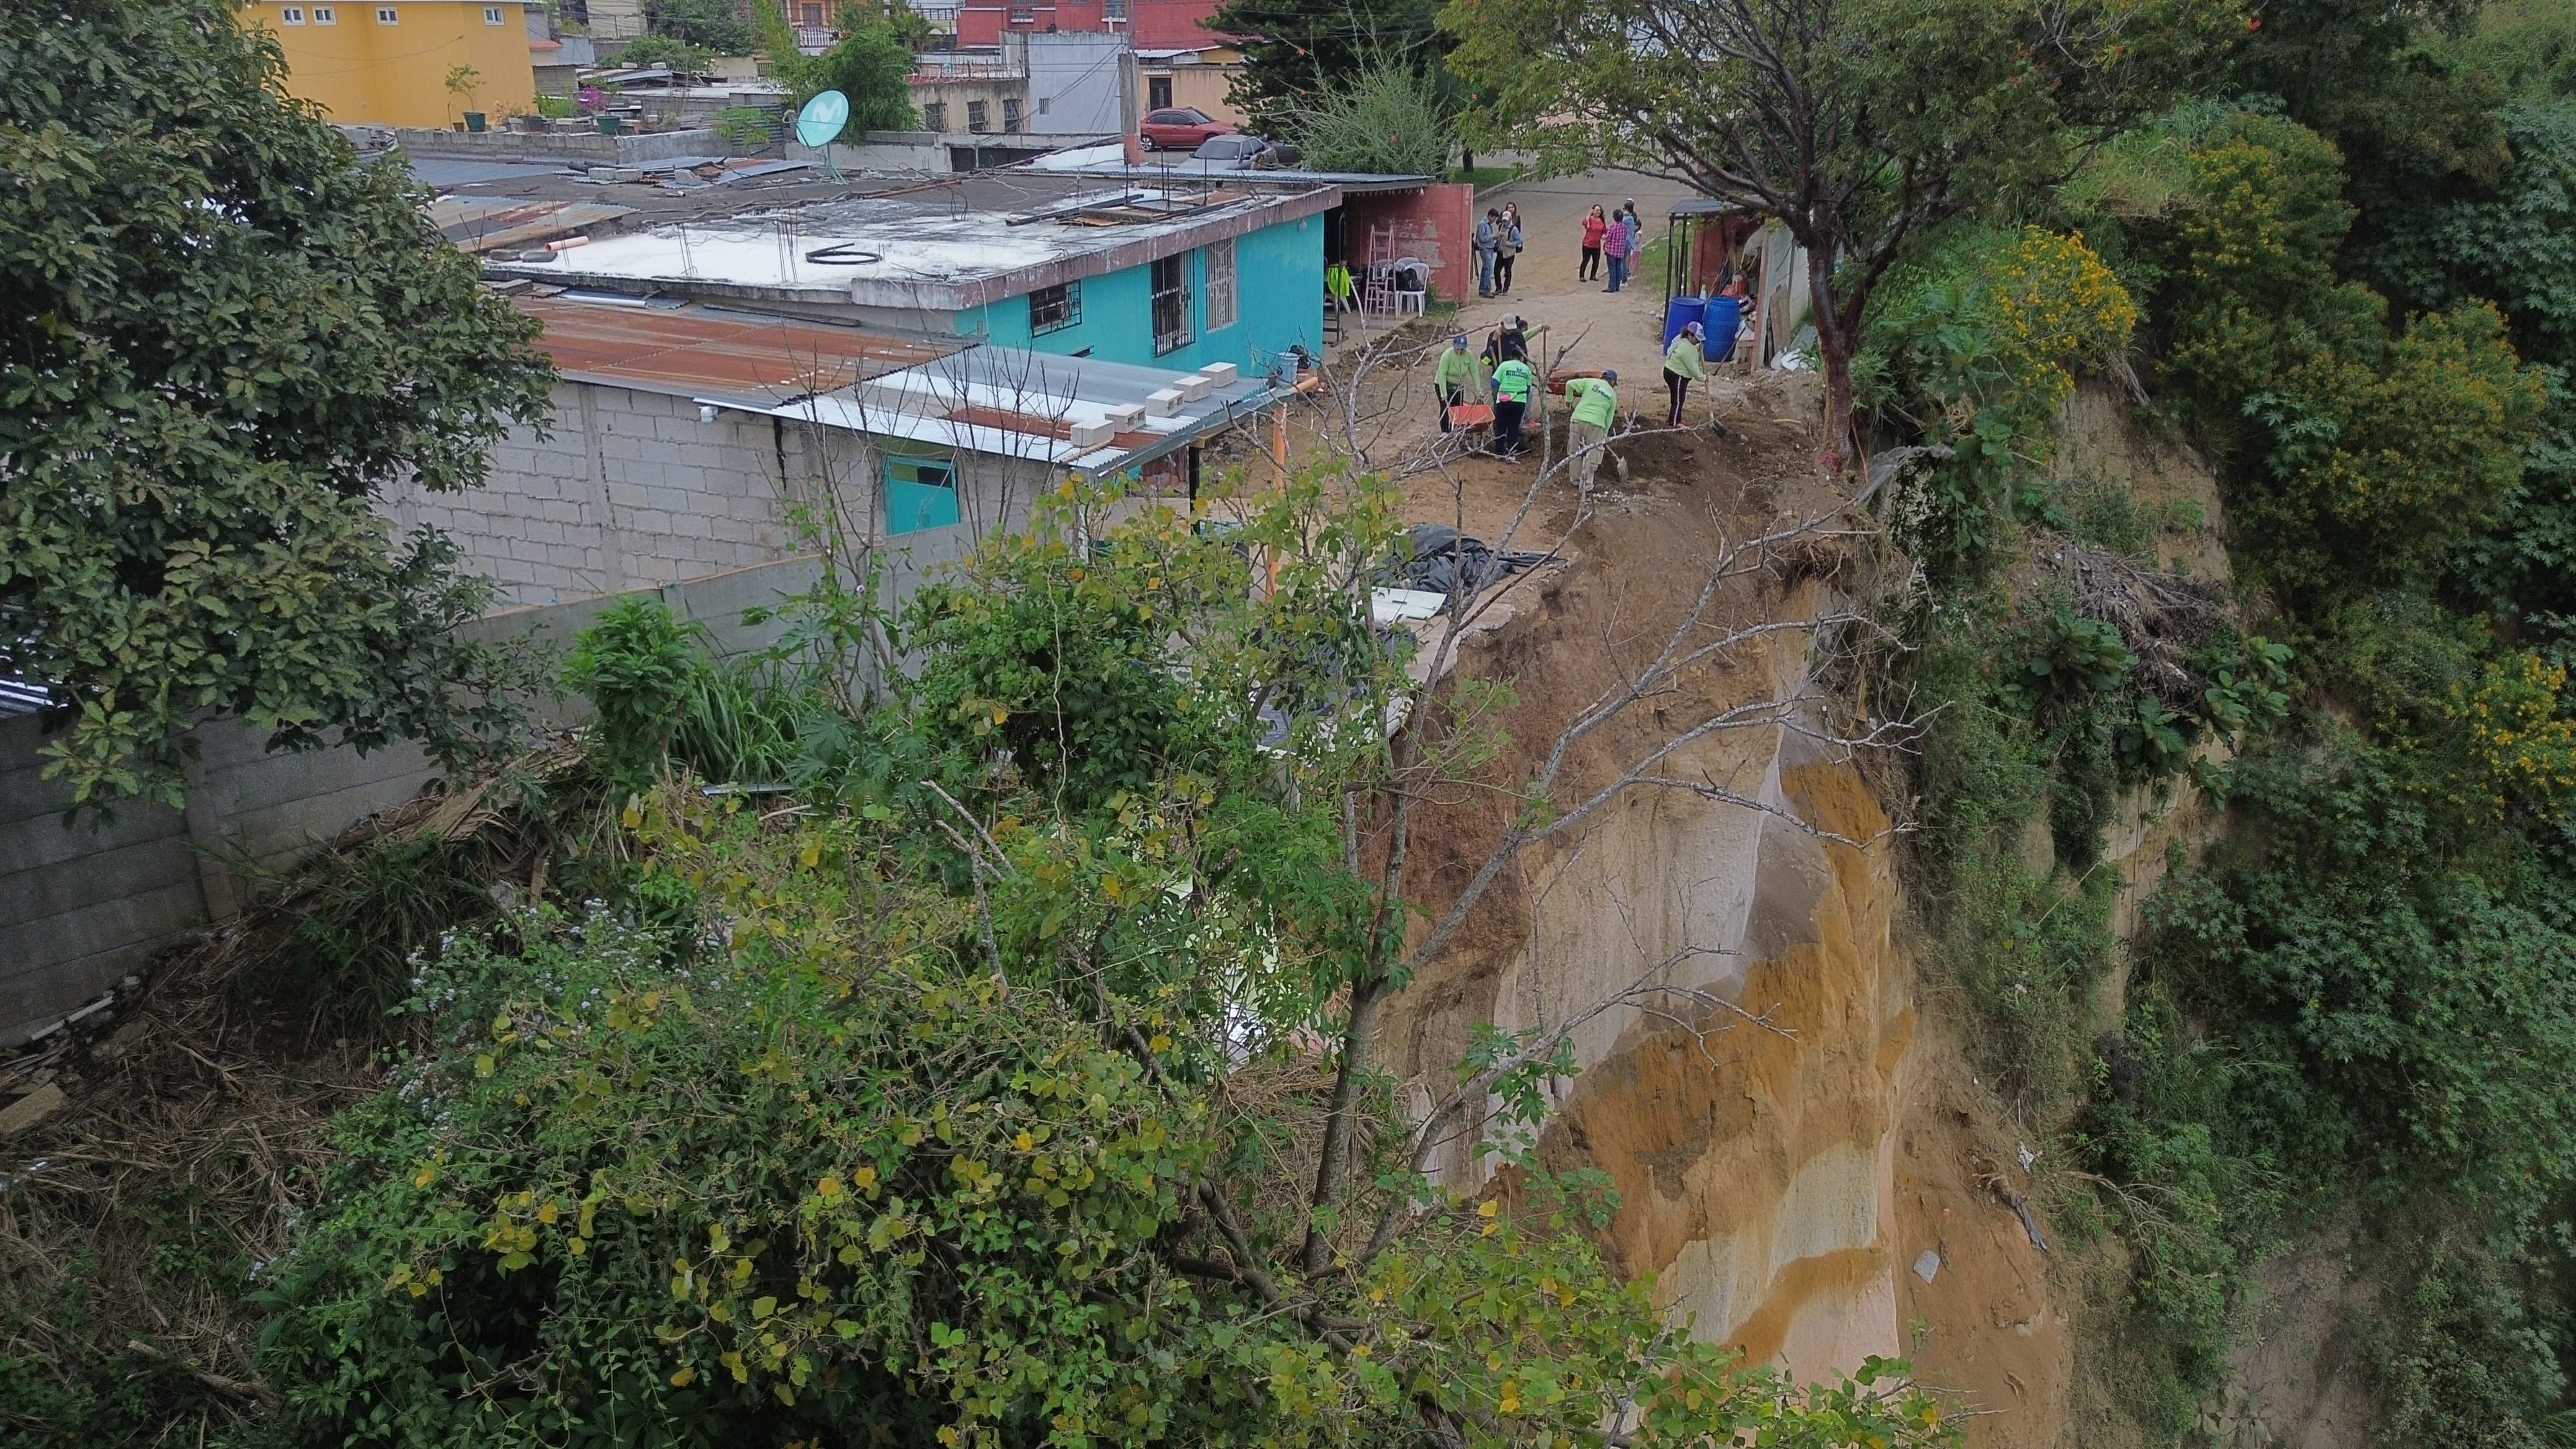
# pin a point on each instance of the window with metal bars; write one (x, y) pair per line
(1221, 292)
(1171, 304)
(1053, 309)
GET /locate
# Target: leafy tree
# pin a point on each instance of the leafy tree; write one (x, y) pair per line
(2363, 454)
(748, 127)
(220, 336)
(2411, 123)
(1297, 52)
(870, 66)
(681, 56)
(2529, 46)
(709, 23)
(1387, 119)
(1028, 1096)
(1856, 123)
(909, 25)
(2512, 242)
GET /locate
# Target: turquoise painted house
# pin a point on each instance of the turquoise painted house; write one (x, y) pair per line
(1172, 274)
(1244, 299)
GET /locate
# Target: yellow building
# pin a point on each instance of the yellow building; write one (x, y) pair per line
(403, 62)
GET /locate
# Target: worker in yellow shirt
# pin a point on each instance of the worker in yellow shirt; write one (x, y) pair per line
(1458, 377)
(1596, 404)
(1513, 384)
(1681, 368)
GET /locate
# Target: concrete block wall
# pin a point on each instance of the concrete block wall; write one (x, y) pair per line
(583, 147)
(81, 905)
(632, 490)
(626, 490)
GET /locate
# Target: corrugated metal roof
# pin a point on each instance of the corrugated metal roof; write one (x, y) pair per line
(487, 223)
(701, 353)
(1016, 404)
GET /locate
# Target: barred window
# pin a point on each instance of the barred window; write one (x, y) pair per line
(1221, 309)
(1171, 305)
(1052, 309)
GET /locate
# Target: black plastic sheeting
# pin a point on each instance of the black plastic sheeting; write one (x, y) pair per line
(1438, 559)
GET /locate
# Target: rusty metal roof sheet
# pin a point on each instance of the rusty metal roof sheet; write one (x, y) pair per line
(486, 223)
(726, 355)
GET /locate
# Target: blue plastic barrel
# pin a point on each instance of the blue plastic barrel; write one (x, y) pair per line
(1722, 319)
(1679, 313)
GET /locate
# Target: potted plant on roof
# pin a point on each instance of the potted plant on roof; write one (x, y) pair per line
(461, 81)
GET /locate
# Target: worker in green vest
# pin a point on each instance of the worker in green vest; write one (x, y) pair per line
(1681, 369)
(1459, 376)
(1596, 403)
(1513, 384)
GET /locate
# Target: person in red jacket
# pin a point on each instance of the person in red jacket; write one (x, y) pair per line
(1593, 227)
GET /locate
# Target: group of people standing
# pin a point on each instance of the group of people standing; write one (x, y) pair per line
(1613, 238)
(1502, 371)
(1498, 244)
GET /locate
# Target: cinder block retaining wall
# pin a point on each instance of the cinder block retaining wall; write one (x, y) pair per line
(84, 904)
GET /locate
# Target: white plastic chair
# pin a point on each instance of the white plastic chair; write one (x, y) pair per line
(1411, 300)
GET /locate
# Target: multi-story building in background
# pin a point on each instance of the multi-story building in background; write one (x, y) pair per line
(403, 62)
(1147, 24)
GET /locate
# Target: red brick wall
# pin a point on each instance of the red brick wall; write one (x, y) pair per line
(1155, 24)
(1435, 223)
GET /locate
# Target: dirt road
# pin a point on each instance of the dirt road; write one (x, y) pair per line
(1590, 327)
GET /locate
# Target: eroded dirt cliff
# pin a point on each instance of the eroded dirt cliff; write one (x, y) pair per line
(1811, 1171)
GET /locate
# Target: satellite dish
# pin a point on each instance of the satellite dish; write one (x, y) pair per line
(822, 119)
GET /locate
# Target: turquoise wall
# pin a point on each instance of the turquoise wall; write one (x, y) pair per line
(1279, 287)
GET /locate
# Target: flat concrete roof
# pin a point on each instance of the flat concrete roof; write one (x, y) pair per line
(937, 246)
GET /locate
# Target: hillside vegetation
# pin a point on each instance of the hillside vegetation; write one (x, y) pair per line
(819, 1052)
(2354, 1016)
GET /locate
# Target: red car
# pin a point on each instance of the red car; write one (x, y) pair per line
(1179, 128)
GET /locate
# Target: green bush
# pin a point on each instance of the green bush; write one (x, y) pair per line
(1389, 119)
(637, 665)
(2474, 1358)
(738, 1203)
(682, 56)
(2024, 947)
(2357, 455)
(747, 128)
(2431, 1002)
(1973, 342)
(1057, 662)
(358, 922)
